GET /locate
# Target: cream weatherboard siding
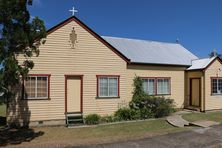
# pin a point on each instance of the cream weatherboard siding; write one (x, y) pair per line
(176, 75)
(212, 101)
(89, 58)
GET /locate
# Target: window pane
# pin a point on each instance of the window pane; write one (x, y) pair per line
(219, 91)
(103, 86)
(151, 86)
(42, 87)
(145, 85)
(29, 87)
(113, 87)
(162, 86)
(214, 86)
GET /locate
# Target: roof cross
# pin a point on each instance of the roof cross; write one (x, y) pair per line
(73, 10)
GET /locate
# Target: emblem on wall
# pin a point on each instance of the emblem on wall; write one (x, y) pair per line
(73, 38)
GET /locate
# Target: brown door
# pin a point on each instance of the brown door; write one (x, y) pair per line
(195, 92)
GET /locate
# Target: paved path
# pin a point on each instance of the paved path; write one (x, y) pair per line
(199, 138)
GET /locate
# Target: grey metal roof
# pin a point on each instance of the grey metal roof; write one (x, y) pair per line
(201, 63)
(151, 52)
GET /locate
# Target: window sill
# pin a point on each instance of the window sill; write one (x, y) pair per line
(108, 97)
(36, 99)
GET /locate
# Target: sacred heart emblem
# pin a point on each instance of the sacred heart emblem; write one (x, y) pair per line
(73, 38)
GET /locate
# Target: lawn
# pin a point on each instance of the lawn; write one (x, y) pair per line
(62, 136)
(213, 116)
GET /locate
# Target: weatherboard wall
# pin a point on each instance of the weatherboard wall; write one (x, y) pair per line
(212, 101)
(89, 58)
(176, 75)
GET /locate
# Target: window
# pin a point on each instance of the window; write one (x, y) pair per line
(162, 86)
(36, 87)
(149, 86)
(216, 86)
(156, 86)
(108, 86)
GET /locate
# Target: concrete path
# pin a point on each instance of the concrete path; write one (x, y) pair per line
(199, 138)
(204, 123)
(177, 120)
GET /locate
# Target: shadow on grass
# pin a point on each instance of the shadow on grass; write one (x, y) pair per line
(2, 121)
(17, 135)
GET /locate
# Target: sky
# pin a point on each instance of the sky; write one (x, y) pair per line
(196, 23)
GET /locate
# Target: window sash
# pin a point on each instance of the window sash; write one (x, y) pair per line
(157, 86)
(108, 87)
(216, 86)
(149, 86)
(163, 86)
(36, 90)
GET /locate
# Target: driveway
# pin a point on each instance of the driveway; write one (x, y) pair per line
(203, 137)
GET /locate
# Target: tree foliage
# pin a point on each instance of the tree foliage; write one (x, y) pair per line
(18, 35)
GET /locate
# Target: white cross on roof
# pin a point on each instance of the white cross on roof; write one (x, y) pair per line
(73, 10)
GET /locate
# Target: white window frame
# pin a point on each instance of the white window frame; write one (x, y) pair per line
(117, 86)
(36, 97)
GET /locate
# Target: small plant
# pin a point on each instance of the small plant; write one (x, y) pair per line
(107, 119)
(92, 119)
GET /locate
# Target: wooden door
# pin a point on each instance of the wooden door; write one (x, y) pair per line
(195, 92)
(74, 94)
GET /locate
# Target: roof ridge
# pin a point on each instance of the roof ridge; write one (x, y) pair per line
(140, 40)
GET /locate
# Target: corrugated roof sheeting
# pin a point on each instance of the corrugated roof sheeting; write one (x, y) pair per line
(152, 52)
(201, 63)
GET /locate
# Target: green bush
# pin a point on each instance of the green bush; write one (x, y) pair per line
(149, 106)
(145, 113)
(107, 119)
(126, 114)
(92, 119)
(163, 107)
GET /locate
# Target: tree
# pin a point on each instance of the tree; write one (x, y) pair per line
(18, 35)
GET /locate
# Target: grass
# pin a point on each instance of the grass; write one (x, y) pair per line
(103, 133)
(62, 136)
(213, 116)
(2, 110)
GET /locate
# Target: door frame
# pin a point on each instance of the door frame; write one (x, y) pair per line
(199, 91)
(81, 90)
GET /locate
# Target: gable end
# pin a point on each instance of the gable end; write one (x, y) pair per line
(217, 58)
(75, 19)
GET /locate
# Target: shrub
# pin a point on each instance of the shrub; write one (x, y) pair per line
(92, 119)
(163, 107)
(145, 113)
(126, 114)
(107, 119)
(149, 106)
